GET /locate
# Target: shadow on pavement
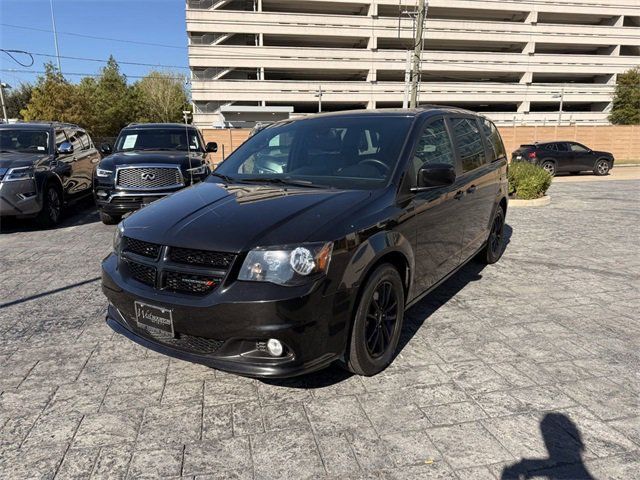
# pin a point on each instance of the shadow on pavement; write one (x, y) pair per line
(413, 320)
(81, 213)
(49, 292)
(564, 444)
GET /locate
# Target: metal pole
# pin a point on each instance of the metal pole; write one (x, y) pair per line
(407, 80)
(4, 107)
(55, 35)
(561, 106)
(417, 52)
(319, 95)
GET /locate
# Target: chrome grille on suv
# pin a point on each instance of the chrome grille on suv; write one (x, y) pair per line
(149, 178)
(174, 269)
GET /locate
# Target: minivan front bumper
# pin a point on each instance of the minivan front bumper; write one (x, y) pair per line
(238, 320)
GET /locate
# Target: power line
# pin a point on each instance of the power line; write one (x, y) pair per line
(22, 52)
(87, 59)
(94, 37)
(77, 74)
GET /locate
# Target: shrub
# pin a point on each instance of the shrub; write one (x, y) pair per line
(528, 181)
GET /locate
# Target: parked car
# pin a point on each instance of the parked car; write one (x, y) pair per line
(44, 166)
(149, 161)
(571, 157)
(278, 274)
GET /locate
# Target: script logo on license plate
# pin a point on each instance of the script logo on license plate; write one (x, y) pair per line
(156, 318)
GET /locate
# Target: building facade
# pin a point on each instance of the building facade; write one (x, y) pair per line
(515, 61)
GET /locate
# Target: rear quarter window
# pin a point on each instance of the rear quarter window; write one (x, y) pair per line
(469, 142)
(496, 146)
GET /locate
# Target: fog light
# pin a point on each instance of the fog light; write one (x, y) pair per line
(101, 193)
(274, 347)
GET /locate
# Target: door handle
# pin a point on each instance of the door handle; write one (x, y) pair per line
(471, 189)
(459, 194)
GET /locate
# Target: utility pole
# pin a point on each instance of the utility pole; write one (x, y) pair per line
(319, 96)
(407, 80)
(561, 97)
(417, 52)
(4, 107)
(55, 36)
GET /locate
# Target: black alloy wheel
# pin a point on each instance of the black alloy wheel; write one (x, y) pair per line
(381, 319)
(378, 322)
(51, 211)
(495, 242)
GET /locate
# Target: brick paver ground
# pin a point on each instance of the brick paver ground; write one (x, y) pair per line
(528, 364)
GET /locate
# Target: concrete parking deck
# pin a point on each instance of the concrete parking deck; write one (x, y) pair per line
(529, 364)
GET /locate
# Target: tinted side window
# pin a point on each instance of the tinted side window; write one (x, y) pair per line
(551, 146)
(562, 147)
(434, 146)
(60, 138)
(74, 138)
(494, 139)
(84, 138)
(469, 142)
(576, 147)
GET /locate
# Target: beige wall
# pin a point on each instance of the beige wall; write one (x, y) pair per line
(622, 141)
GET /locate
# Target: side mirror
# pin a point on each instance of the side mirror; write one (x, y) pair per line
(65, 148)
(211, 147)
(436, 175)
(105, 148)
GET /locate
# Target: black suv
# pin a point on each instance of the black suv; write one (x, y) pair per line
(275, 268)
(43, 167)
(559, 157)
(149, 161)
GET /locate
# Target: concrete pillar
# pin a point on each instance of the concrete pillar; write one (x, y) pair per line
(371, 104)
(527, 77)
(372, 44)
(529, 48)
(618, 21)
(261, 39)
(524, 107)
(259, 5)
(372, 76)
(532, 18)
(373, 9)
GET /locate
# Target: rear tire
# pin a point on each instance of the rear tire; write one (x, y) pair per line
(602, 167)
(378, 322)
(549, 166)
(110, 219)
(494, 248)
(51, 212)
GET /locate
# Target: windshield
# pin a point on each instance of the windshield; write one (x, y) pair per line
(20, 140)
(342, 152)
(158, 139)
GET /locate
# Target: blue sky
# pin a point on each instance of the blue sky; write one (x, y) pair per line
(151, 21)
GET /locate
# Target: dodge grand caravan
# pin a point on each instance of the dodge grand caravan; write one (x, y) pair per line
(308, 243)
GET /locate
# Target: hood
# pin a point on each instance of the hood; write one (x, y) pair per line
(152, 156)
(19, 159)
(236, 218)
(602, 154)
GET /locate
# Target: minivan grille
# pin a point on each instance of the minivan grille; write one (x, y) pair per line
(146, 249)
(203, 258)
(149, 178)
(142, 273)
(182, 341)
(174, 269)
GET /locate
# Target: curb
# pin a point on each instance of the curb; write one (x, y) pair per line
(537, 202)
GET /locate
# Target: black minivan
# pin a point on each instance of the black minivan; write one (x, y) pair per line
(308, 243)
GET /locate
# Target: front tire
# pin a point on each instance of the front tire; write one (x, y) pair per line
(602, 167)
(549, 166)
(494, 248)
(378, 322)
(51, 212)
(109, 219)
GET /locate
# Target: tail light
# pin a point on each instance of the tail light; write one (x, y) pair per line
(532, 155)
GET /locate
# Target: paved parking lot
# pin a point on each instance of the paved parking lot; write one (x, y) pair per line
(530, 364)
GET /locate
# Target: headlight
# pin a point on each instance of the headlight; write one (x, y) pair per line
(201, 170)
(287, 265)
(19, 173)
(117, 237)
(101, 172)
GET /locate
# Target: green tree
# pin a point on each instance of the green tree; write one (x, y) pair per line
(626, 100)
(17, 99)
(113, 102)
(55, 99)
(162, 96)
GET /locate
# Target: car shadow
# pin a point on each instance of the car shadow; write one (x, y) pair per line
(81, 213)
(413, 320)
(563, 441)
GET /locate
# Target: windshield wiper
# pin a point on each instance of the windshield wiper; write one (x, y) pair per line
(284, 181)
(224, 177)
